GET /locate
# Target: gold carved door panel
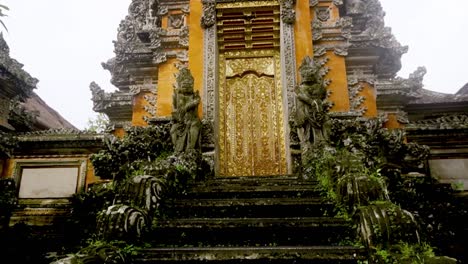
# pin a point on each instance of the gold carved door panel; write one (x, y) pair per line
(251, 130)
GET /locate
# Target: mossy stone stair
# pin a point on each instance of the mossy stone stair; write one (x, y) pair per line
(277, 219)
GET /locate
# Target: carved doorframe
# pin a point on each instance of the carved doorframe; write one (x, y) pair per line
(211, 72)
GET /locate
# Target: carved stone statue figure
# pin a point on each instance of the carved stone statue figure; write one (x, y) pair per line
(185, 131)
(310, 113)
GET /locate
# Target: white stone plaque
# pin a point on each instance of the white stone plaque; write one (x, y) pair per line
(59, 182)
(450, 171)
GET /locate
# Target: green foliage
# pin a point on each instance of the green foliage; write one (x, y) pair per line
(106, 252)
(122, 157)
(8, 200)
(8, 142)
(98, 124)
(384, 224)
(86, 206)
(441, 214)
(403, 252)
(355, 171)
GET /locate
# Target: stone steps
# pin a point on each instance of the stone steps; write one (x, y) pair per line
(229, 255)
(248, 207)
(279, 219)
(252, 231)
(254, 187)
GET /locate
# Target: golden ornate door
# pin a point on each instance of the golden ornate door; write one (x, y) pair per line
(251, 126)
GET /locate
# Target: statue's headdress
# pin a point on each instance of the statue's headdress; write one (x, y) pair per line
(308, 69)
(184, 76)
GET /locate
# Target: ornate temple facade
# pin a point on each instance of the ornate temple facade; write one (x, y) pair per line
(246, 65)
(245, 56)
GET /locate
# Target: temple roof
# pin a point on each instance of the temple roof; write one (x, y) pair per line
(431, 97)
(463, 90)
(47, 117)
(17, 85)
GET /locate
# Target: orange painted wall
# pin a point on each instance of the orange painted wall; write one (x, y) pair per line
(339, 82)
(119, 132)
(303, 33)
(139, 111)
(196, 43)
(8, 168)
(166, 80)
(392, 122)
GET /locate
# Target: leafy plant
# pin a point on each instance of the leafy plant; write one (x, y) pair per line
(86, 206)
(8, 142)
(123, 156)
(8, 200)
(98, 124)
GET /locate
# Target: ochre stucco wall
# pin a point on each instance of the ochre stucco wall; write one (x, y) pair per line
(337, 65)
(196, 47)
(139, 111)
(339, 82)
(392, 122)
(166, 80)
(302, 33)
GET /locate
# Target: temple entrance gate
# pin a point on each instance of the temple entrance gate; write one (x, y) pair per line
(251, 127)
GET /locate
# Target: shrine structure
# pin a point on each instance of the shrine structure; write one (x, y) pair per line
(247, 83)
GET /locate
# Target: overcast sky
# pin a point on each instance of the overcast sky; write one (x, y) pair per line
(63, 42)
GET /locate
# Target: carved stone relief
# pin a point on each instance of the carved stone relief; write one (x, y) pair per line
(210, 73)
(322, 13)
(288, 12)
(176, 21)
(209, 13)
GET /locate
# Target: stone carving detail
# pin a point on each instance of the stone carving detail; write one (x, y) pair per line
(356, 100)
(341, 51)
(124, 221)
(151, 108)
(459, 121)
(311, 114)
(104, 101)
(288, 14)
(185, 131)
(176, 21)
(313, 3)
(355, 6)
(316, 30)
(13, 71)
(289, 63)
(209, 13)
(322, 13)
(96, 91)
(369, 31)
(402, 117)
(338, 2)
(415, 80)
(184, 36)
(210, 73)
(159, 57)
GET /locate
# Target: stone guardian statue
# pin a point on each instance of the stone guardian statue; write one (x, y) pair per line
(311, 113)
(185, 131)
